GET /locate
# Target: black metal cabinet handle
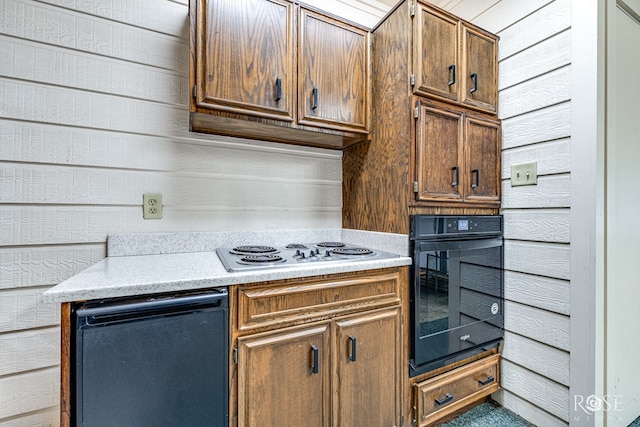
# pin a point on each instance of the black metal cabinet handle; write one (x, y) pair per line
(489, 380)
(474, 77)
(278, 89)
(314, 106)
(456, 176)
(352, 355)
(446, 399)
(476, 181)
(452, 71)
(314, 364)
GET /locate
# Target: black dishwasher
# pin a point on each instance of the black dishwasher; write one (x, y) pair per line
(159, 361)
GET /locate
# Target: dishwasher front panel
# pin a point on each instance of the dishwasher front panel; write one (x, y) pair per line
(155, 363)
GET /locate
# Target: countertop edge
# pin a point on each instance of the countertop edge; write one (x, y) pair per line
(69, 293)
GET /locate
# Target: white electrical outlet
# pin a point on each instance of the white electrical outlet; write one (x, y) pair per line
(152, 206)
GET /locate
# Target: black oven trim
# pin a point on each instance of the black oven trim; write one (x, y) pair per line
(421, 241)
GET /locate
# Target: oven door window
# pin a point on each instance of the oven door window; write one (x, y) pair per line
(457, 297)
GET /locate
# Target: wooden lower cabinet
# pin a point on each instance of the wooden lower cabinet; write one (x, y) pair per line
(344, 372)
(368, 357)
(283, 378)
(326, 351)
(443, 395)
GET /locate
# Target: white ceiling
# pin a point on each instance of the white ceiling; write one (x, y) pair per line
(369, 12)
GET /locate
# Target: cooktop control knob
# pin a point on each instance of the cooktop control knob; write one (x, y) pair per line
(327, 254)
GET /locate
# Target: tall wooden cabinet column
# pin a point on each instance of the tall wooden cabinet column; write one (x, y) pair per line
(435, 141)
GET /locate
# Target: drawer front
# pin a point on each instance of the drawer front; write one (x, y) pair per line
(442, 395)
(269, 306)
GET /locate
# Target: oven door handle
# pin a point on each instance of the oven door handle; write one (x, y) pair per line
(456, 245)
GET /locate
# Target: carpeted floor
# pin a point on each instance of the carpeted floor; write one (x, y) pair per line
(492, 415)
(488, 415)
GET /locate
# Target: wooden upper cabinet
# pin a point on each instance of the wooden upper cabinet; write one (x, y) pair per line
(333, 66)
(435, 62)
(245, 57)
(454, 61)
(457, 157)
(439, 155)
(480, 83)
(482, 141)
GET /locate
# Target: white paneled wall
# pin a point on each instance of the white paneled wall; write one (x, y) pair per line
(93, 113)
(535, 106)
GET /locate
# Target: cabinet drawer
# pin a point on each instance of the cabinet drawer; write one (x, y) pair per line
(442, 395)
(279, 305)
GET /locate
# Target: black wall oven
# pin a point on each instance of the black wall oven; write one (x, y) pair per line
(457, 288)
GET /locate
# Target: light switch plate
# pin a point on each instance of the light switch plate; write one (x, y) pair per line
(152, 206)
(524, 174)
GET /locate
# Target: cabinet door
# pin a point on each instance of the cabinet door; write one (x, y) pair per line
(439, 155)
(480, 57)
(368, 358)
(435, 55)
(245, 57)
(482, 139)
(283, 378)
(333, 66)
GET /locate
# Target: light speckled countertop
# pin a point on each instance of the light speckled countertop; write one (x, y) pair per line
(187, 261)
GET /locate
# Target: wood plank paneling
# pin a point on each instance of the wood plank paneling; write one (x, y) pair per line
(537, 389)
(537, 357)
(158, 16)
(547, 124)
(539, 59)
(49, 225)
(552, 19)
(540, 225)
(74, 107)
(67, 28)
(537, 291)
(22, 309)
(552, 191)
(45, 184)
(540, 325)
(506, 13)
(525, 409)
(28, 392)
(29, 350)
(45, 265)
(47, 417)
(63, 67)
(548, 89)
(552, 157)
(544, 259)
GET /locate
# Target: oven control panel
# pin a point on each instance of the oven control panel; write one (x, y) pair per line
(432, 226)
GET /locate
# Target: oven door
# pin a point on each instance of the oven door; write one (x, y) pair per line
(457, 297)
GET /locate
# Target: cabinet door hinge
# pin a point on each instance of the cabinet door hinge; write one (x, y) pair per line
(235, 355)
(416, 112)
(415, 186)
(195, 91)
(413, 10)
(412, 80)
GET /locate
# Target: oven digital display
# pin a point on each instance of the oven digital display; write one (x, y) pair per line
(463, 225)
